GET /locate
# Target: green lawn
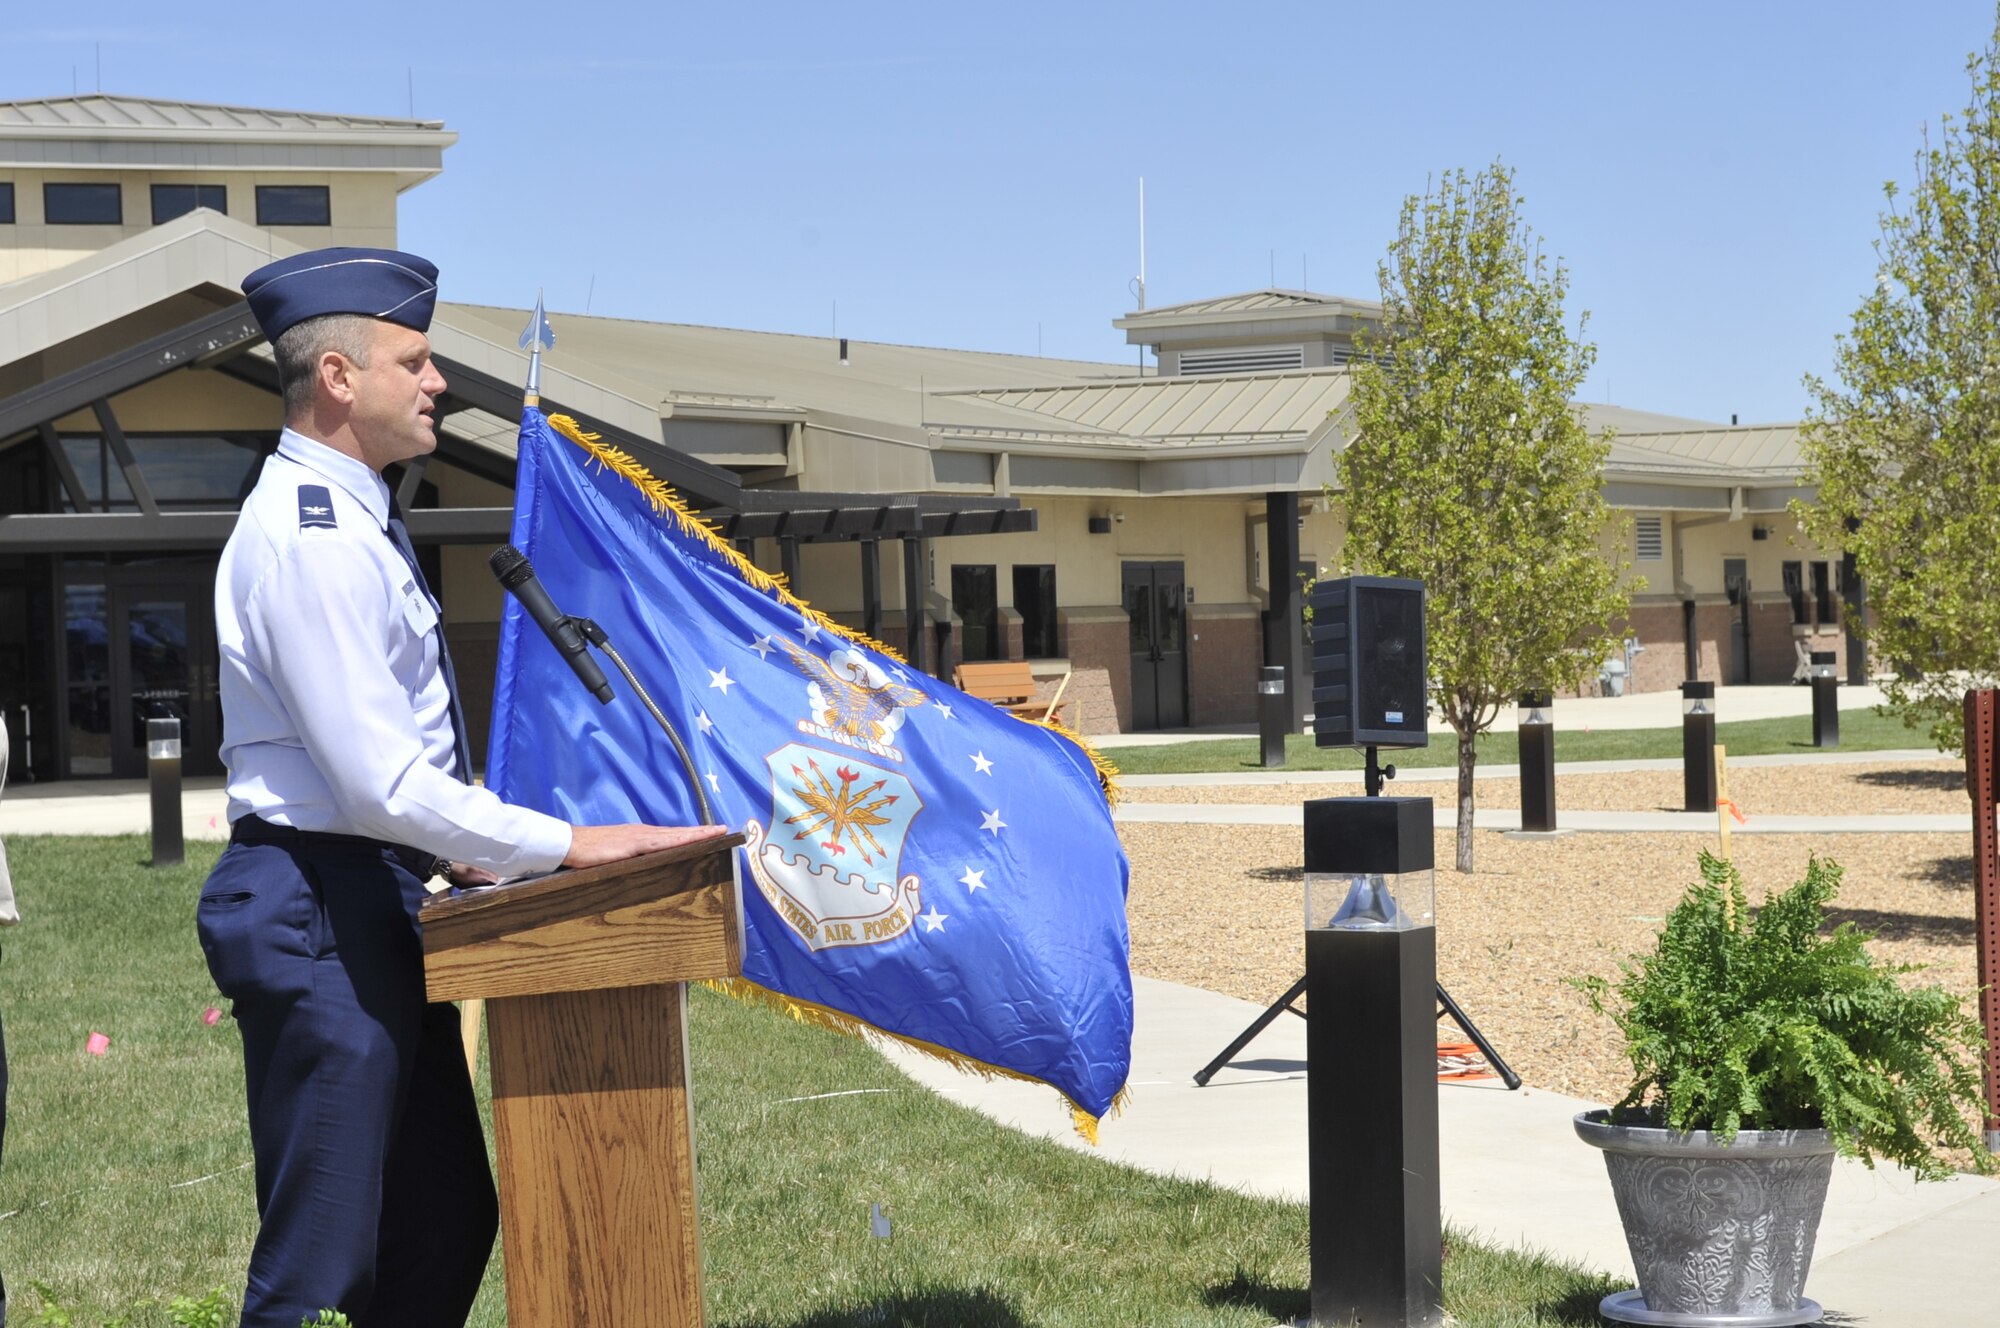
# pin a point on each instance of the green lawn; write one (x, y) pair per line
(1860, 731)
(126, 1176)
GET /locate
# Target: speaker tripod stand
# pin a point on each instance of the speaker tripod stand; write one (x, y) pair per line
(1372, 781)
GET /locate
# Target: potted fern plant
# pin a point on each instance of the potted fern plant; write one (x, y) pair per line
(1762, 1046)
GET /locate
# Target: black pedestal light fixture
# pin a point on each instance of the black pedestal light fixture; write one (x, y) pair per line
(1535, 730)
(1371, 1052)
(1698, 745)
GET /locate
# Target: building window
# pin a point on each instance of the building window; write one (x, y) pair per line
(199, 473)
(1795, 592)
(1649, 539)
(1035, 601)
(177, 200)
(82, 205)
(974, 599)
(293, 205)
(6, 202)
(1823, 596)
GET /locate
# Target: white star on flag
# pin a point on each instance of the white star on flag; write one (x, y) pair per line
(933, 920)
(973, 880)
(701, 718)
(993, 822)
(762, 645)
(981, 764)
(944, 709)
(720, 678)
(809, 630)
(715, 781)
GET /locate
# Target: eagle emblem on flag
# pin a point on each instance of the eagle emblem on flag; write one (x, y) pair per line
(828, 861)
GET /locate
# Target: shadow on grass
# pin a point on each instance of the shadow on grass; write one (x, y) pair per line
(1930, 781)
(1577, 1307)
(1906, 926)
(944, 1307)
(1286, 1304)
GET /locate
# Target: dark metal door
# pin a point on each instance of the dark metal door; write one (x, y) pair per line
(1155, 596)
(1736, 580)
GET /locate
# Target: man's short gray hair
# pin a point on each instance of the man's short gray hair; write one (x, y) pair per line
(299, 348)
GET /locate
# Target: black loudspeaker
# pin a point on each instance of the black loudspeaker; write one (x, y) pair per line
(1368, 663)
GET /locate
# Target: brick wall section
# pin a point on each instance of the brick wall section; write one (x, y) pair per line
(1711, 634)
(1663, 663)
(1223, 664)
(1097, 641)
(1772, 644)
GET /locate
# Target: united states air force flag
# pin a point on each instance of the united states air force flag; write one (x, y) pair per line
(918, 862)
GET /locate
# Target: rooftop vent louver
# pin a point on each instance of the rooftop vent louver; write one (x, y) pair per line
(1648, 539)
(1250, 359)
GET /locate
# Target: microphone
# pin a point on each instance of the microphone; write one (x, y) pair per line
(517, 576)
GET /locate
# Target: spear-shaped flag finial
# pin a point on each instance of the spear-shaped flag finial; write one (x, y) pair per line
(537, 337)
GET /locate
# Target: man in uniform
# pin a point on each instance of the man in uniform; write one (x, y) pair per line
(348, 789)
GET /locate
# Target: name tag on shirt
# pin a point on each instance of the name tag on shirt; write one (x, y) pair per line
(417, 610)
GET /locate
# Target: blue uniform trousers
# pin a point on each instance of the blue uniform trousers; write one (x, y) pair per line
(372, 1181)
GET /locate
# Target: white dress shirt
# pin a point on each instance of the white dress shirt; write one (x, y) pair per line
(336, 716)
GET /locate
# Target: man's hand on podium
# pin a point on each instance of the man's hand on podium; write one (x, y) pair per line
(594, 845)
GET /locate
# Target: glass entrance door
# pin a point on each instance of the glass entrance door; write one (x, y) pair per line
(138, 649)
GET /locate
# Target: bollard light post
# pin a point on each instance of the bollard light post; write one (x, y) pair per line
(1371, 1058)
(1826, 700)
(1698, 745)
(163, 773)
(1535, 728)
(1273, 715)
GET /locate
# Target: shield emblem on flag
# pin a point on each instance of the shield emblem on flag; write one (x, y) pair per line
(829, 861)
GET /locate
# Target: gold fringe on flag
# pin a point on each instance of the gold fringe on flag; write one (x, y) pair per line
(814, 1015)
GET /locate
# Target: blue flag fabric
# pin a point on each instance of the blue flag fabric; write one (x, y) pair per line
(918, 861)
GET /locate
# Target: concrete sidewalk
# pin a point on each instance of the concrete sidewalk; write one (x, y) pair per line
(1512, 1170)
(121, 806)
(1643, 710)
(1509, 819)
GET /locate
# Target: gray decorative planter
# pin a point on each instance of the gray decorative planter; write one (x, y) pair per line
(1721, 1234)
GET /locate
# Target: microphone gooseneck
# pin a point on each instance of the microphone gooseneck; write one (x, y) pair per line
(517, 577)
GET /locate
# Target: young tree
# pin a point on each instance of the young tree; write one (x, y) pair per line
(1471, 469)
(1905, 450)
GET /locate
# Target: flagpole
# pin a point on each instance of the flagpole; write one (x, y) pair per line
(537, 337)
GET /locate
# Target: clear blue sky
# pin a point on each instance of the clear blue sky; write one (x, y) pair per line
(966, 176)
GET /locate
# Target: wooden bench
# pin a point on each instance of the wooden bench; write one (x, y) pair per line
(1010, 684)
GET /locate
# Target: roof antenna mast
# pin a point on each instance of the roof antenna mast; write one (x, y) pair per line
(1138, 283)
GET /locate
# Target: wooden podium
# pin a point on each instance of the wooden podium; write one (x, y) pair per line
(585, 977)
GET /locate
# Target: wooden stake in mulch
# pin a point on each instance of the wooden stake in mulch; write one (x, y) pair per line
(1725, 808)
(1722, 802)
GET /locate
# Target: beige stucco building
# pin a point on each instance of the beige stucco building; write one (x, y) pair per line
(1102, 523)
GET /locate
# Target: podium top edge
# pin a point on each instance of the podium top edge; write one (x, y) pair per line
(442, 906)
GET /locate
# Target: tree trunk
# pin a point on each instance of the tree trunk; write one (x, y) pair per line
(1467, 755)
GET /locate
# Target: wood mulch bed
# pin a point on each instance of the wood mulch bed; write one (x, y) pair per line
(1220, 906)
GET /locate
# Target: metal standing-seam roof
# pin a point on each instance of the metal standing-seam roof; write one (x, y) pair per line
(100, 114)
(1763, 450)
(1248, 301)
(1184, 411)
